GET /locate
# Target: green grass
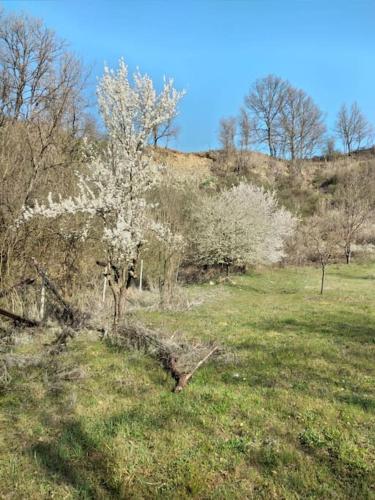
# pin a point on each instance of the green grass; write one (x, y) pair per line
(290, 415)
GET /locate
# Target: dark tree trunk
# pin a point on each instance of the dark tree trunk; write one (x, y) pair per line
(323, 276)
(348, 254)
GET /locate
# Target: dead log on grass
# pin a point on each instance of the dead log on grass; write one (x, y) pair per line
(182, 379)
(180, 360)
(19, 319)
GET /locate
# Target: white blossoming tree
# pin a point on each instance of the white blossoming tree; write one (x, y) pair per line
(242, 226)
(113, 191)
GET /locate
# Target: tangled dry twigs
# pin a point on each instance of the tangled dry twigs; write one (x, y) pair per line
(180, 359)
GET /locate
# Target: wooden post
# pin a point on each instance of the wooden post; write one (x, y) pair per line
(141, 276)
(42, 300)
(105, 284)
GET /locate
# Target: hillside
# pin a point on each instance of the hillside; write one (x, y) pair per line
(260, 166)
(204, 164)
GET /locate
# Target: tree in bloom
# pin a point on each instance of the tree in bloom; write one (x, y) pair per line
(241, 226)
(113, 192)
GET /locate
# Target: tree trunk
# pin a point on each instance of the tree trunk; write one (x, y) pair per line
(141, 277)
(270, 145)
(119, 280)
(118, 292)
(348, 254)
(170, 269)
(42, 300)
(323, 276)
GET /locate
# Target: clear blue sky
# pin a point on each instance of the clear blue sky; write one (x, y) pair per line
(216, 49)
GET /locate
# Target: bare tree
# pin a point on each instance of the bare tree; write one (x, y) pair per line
(330, 149)
(355, 202)
(174, 198)
(41, 116)
(41, 88)
(264, 103)
(353, 128)
(321, 240)
(36, 70)
(301, 124)
(246, 130)
(165, 131)
(227, 134)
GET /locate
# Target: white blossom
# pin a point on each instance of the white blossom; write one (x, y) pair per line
(114, 188)
(242, 225)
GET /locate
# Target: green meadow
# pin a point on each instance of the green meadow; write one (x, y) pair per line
(288, 412)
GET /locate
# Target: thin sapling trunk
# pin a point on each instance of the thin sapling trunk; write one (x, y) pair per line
(323, 264)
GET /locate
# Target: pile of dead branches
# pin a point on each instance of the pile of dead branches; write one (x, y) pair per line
(179, 358)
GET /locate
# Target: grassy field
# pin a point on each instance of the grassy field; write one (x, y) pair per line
(290, 415)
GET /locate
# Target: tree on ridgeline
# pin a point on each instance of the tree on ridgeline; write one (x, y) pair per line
(227, 134)
(353, 128)
(165, 131)
(301, 124)
(284, 118)
(245, 130)
(264, 104)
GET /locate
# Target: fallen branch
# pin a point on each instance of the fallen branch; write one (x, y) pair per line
(22, 284)
(19, 319)
(181, 359)
(183, 378)
(178, 359)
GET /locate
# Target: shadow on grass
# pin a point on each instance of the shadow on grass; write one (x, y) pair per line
(349, 276)
(78, 457)
(317, 355)
(342, 324)
(365, 402)
(75, 459)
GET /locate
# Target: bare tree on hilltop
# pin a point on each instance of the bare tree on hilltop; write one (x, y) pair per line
(301, 124)
(227, 134)
(264, 103)
(164, 131)
(353, 128)
(245, 129)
